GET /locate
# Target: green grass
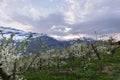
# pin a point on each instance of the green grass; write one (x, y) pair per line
(88, 75)
(92, 73)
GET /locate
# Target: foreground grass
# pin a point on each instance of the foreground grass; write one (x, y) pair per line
(111, 72)
(88, 75)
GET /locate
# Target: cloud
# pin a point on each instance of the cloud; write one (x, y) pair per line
(87, 16)
(69, 36)
(20, 7)
(62, 18)
(60, 28)
(77, 10)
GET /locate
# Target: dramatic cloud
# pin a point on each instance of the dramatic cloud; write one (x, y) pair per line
(62, 18)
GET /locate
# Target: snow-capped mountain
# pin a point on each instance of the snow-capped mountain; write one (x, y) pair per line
(19, 34)
(33, 42)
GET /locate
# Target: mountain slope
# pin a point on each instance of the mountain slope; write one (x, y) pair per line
(34, 42)
(19, 34)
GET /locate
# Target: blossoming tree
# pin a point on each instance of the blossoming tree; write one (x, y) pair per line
(10, 55)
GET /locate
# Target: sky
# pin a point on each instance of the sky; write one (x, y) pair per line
(62, 19)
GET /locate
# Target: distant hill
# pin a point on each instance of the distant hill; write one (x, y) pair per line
(34, 42)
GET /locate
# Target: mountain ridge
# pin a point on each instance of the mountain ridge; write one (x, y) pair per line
(33, 41)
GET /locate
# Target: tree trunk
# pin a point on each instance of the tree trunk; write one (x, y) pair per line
(4, 75)
(14, 71)
(84, 63)
(98, 56)
(58, 63)
(40, 66)
(71, 58)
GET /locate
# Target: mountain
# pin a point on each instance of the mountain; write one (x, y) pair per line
(19, 34)
(34, 42)
(115, 36)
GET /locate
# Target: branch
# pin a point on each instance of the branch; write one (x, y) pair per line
(19, 73)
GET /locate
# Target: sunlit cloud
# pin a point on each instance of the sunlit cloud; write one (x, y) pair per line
(70, 36)
(60, 28)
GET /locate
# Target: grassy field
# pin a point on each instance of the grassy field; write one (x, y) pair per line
(111, 71)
